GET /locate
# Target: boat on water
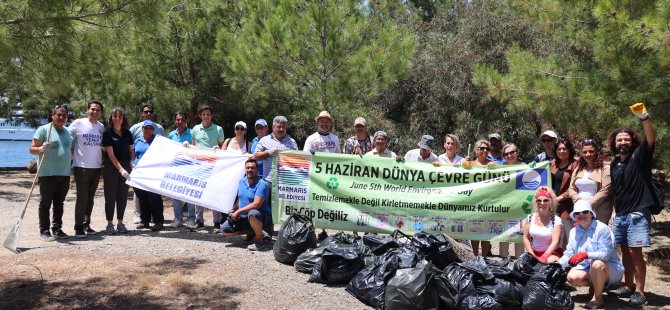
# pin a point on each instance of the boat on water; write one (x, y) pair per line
(12, 130)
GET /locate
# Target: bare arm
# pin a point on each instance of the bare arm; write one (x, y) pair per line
(526, 237)
(35, 147)
(649, 132)
(555, 239)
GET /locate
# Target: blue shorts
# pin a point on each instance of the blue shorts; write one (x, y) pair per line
(242, 222)
(632, 229)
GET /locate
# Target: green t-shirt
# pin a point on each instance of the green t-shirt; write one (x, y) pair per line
(209, 137)
(59, 156)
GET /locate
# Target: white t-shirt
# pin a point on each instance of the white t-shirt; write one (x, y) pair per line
(542, 234)
(322, 143)
(415, 155)
(587, 187)
(87, 139)
(444, 160)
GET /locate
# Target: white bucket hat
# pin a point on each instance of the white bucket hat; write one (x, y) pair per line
(581, 205)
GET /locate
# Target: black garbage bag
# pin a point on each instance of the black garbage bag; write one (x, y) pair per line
(480, 301)
(504, 269)
(369, 285)
(296, 235)
(447, 293)
(379, 244)
(340, 237)
(479, 269)
(526, 266)
(413, 288)
(339, 263)
(408, 257)
(546, 289)
(504, 292)
(306, 261)
(462, 279)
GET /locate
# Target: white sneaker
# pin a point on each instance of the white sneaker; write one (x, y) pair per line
(191, 223)
(176, 223)
(137, 220)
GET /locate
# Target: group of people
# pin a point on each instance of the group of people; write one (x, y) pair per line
(568, 225)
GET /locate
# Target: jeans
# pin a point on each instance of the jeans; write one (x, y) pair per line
(53, 189)
(116, 190)
(87, 181)
(178, 207)
(151, 205)
(199, 217)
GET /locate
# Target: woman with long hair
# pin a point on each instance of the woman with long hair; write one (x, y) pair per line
(542, 229)
(118, 144)
(562, 167)
(591, 181)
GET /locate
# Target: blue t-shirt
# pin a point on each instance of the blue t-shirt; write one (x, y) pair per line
(185, 137)
(254, 142)
(246, 194)
(141, 147)
(498, 160)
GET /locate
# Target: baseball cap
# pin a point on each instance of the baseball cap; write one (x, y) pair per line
(261, 122)
(360, 121)
(549, 133)
(495, 135)
(241, 123)
(149, 123)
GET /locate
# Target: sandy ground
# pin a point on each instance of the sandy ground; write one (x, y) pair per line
(182, 269)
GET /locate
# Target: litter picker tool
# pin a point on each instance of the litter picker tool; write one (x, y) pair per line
(12, 239)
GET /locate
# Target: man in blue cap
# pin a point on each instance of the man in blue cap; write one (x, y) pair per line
(261, 127)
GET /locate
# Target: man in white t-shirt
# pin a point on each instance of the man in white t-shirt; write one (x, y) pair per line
(87, 136)
(425, 151)
(323, 140)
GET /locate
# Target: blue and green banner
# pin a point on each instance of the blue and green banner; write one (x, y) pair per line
(370, 194)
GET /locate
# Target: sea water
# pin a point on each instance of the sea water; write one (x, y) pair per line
(15, 153)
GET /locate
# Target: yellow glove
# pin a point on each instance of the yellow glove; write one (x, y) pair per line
(437, 164)
(640, 111)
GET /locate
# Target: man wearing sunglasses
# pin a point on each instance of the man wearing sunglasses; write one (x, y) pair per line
(548, 139)
(631, 176)
(146, 114)
(495, 154)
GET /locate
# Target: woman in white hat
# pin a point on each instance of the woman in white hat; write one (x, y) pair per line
(239, 142)
(591, 252)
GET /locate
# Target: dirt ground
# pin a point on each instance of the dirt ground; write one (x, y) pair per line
(178, 269)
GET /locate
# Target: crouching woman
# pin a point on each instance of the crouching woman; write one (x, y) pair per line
(591, 251)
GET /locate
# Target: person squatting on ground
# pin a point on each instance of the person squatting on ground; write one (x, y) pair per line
(631, 177)
(251, 211)
(151, 204)
(87, 135)
(181, 134)
(591, 252)
(118, 143)
(54, 143)
(542, 229)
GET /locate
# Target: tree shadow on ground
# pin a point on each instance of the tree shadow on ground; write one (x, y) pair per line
(13, 196)
(158, 285)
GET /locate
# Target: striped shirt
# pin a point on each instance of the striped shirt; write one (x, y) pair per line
(270, 142)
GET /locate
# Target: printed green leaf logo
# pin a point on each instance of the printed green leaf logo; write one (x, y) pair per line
(526, 206)
(332, 183)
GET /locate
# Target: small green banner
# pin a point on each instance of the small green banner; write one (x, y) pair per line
(370, 194)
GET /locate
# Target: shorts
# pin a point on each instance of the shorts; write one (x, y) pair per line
(558, 252)
(242, 223)
(614, 273)
(632, 229)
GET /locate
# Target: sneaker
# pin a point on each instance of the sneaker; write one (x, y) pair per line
(137, 220)
(58, 233)
(637, 300)
(110, 229)
(142, 226)
(79, 233)
(197, 226)
(46, 236)
(90, 231)
(621, 291)
(266, 236)
(157, 227)
(256, 246)
(249, 238)
(176, 223)
(191, 223)
(121, 228)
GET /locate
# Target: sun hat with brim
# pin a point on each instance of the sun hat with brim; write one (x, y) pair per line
(322, 115)
(427, 142)
(581, 205)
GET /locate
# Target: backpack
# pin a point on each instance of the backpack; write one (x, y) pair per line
(657, 189)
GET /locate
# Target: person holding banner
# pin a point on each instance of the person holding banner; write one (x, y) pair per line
(592, 254)
(591, 181)
(451, 146)
(270, 145)
(323, 140)
(482, 148)
(54, 177)
(207, 134)
(261, 128)
(511, 154)
(181, 134)
(151, 204)
(495, 154)
(425, 151)
(118, 143)
(360, 143)
(542, 229)
(239, 142)
(251, 211)
(381, 140)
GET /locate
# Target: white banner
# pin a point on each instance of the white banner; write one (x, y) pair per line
(197, 175)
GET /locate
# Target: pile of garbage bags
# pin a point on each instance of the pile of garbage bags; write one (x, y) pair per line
(420, 272)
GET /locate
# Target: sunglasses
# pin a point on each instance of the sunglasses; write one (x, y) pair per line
(539, 201)
(510, 153)
(148, 111)
(483, 148)
(547, 140)
(240, 128)
(585, 212)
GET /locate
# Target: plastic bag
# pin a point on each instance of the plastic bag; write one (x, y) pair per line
(479, 269)
(379, 244)
(408, 257)
(413, 288)
(526, 266)
(369, 285)
(480, 301)
(546, 290)
(462, 280)
(339, 263)
(504, 292)
(306, 261)
(296, 235)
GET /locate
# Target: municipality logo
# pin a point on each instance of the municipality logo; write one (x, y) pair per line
(332, 183)
(531, 179)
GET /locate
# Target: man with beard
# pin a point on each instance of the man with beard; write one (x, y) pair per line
(631, 176)
(495, 154)
(323, 140)
(360, 143)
